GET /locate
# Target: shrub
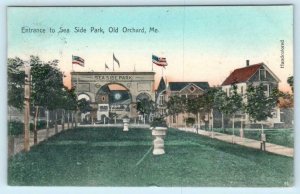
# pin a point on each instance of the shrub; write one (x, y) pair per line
(190, 121)
(15, 128)
(158, 122)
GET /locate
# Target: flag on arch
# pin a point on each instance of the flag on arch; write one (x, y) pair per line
(77, 60)
(116, 60)
(160, 61)
(106, 66)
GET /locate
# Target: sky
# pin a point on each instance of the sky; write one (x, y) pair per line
(200, 43)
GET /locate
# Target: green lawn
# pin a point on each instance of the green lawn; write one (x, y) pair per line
(108, 157)
(284, 137)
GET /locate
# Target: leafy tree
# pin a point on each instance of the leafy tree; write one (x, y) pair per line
(220, 103)
(47, 83)
(84, 105)
(16, 78)
(209, 100)
(234, 104)
(71, 104)
(286, 99)
(146, 107)
(175, 105)
(259, 106)
(290, 81)
(195, 106)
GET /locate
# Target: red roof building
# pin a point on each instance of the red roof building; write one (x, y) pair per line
(244, 74)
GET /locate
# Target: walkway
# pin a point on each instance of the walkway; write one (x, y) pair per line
(272, 148)
(18, 144)
(41, 136)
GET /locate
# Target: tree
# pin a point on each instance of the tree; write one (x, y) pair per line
(84, 106)
(175, 105)
(195, 106)
(220, 103)
(209, 98)
(145, 107)
(71, 103)
(16, 78)
(286, 99)
(259, 106)
(47, 82)
(234, 104)
(290, 81)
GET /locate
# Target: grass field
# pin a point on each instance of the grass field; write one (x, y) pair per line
(109, 157)
(284, 137)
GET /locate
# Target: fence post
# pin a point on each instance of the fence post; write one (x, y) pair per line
(11, 145)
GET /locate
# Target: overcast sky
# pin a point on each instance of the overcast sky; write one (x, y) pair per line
(200, 43)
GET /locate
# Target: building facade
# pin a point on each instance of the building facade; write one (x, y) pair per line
(254, 75)
(185, 90)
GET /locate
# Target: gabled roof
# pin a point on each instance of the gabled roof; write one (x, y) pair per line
(104, 89)
(161, 85)
(177, 86)
(242, 74)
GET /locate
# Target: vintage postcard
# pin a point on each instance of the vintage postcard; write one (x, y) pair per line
(164, 96)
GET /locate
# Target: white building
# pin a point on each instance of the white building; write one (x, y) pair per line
(253, 75)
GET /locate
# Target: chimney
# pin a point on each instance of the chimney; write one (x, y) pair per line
(247, 63)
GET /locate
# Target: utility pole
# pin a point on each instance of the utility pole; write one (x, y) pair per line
(27, 109)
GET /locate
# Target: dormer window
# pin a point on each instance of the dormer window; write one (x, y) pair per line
(192, 88)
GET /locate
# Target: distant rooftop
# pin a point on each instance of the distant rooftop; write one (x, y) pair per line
(177, 86)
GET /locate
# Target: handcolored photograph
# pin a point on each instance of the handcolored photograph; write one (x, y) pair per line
(159, 96)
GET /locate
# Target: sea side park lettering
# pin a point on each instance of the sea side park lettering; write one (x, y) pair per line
(113, 77)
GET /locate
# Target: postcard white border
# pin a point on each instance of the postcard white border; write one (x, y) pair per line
(137, 190)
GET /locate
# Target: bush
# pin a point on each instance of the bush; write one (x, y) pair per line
(190, 121)
(15, 128)
(158, 122)
(41, 125)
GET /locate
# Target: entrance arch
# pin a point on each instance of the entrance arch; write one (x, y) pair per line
(114, 101)
(138, 85)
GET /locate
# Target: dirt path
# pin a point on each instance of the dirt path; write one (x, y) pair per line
(251, 143)
(18, 143)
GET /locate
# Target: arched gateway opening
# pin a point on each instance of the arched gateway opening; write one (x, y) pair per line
(114, 95)
(114, 102)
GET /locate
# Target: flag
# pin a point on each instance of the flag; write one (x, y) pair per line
(78, 60)
(116, 60)
(106, 67)
(160, 61)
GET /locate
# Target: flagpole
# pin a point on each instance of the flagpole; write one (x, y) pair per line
(72, 64)
(113, 63)
(152, 61)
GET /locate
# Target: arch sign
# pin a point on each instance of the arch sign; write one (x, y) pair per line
(95, 86)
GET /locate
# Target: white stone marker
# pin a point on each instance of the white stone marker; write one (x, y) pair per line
(125, 121)
(158, 143)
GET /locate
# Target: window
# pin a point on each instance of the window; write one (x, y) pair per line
(161, 99)
(192, 88)
(242, 90)
(262, 74)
